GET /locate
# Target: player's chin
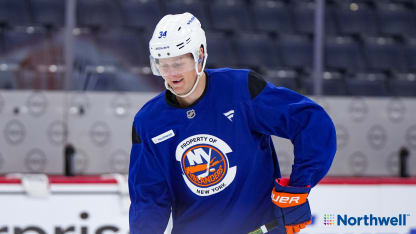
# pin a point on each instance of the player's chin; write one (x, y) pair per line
(181, 90)
(177, 90)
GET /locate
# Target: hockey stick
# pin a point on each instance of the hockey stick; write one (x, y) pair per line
(265, 228)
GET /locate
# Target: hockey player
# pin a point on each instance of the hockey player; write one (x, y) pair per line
(202, 149)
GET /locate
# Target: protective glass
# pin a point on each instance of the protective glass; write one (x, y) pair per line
(172, 66)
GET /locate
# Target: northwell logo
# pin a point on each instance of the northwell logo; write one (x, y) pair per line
(366, 220)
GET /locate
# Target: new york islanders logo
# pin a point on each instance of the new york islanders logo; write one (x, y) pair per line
(204, 162)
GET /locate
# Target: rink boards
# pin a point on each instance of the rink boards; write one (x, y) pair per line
(99, 205)
(35, 127)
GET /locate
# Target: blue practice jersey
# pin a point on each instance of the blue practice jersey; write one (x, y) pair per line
(213, 164)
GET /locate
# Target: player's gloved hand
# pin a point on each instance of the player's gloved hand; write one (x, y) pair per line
(294, 203)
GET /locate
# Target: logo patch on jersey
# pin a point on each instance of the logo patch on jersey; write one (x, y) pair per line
(190, 114)
(230, 115)
(163, 137)
(205, 166)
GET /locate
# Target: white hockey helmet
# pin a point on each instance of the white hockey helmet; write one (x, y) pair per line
(177, 35)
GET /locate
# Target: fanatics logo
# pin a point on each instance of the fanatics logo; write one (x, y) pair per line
(229, 115)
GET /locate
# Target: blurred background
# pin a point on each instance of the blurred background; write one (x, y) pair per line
(369, 46)
(74, 73)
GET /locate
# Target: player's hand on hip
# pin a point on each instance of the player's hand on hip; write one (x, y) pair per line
(294, 205)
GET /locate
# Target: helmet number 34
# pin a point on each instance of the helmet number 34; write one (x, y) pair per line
(162, 34)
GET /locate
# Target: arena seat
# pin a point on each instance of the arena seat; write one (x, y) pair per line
(141, 14)
(403, 84)
(48, 13)
(284, 77)
(126, 46)
(194, 7)
(343, 53)
(98, 13)
(332, 84)
(304, 17)
(410, 53)
(367, 84)
(14, 13)
(355, 18)
(384, 54)
(256, 50)
(22, 37)
(272, 16)
(220, 50)
(395, 18)
(296, 51)
(230, 15)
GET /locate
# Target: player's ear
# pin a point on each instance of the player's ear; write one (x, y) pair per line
(201, 54)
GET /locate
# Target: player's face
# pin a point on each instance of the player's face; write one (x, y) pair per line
(179, 72)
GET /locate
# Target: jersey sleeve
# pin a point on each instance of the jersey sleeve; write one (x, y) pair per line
(150, 201)
(279, 111)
